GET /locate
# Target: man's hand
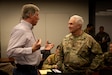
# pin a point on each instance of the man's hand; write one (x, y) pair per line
(48, 46)
(54, 67)
(36, 45)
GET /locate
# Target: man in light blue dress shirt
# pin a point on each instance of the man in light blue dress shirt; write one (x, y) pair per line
(23, 46)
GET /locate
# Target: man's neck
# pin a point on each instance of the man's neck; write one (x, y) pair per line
(27, 20)
(78, 33)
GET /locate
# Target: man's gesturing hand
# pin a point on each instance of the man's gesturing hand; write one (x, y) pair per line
(36, 45)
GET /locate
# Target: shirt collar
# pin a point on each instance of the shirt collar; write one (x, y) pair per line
(27, 23)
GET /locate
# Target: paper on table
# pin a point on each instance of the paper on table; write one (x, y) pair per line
(56, 71)
(44, 72)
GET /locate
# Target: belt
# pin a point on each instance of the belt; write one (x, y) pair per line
(26, 67)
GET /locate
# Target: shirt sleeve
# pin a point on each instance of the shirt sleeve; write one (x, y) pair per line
(48, 63)
(60, 57)
(17, 44)
(97, 61)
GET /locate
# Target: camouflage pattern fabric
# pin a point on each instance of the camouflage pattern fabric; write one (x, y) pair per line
(50, 62)
(79, 53)
(107, 56)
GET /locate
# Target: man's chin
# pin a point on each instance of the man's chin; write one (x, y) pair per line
(34, 24)
(70, 31)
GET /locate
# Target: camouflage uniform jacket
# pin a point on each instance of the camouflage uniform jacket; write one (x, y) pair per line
(78, 52)
(50, 62)
(107, 57)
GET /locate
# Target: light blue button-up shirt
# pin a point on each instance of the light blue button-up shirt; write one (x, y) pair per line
(20, 45)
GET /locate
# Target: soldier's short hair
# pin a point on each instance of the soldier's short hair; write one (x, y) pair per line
(79, 19)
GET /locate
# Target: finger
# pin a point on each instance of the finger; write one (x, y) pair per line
(48, 42)
(38, 41)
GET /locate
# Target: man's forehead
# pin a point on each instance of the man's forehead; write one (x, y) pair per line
(72, 20)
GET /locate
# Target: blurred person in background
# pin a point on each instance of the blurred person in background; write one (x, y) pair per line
(107, 59)
(89, 29)
(51, 61)
(103, 39)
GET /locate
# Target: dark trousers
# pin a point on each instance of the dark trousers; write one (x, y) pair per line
(25, 70)
(105, 72)
(19, 72)
(3, 72)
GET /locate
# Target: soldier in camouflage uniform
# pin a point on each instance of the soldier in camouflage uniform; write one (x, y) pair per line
(107, 65)
(51, 61)
(79, 52)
